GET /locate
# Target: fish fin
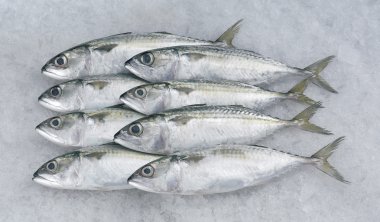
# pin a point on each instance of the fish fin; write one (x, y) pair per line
(121, 106)
(186, 90)
(105, 48)
(182, 120)
(98, 84)
(177, 156)
(261, 146)
(316, 68)
(193, 105)
(163, 32)
(230, 33)
(299, 87)
(193, 56)
(323, 165)
(98, 116)
(302, 120)
(297, 93)
(97, 155)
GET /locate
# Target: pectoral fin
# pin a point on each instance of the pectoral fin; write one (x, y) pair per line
(186, 90)
(105, 48)
(181, 120)
(193, 57)
(97, 155)
(98, 85)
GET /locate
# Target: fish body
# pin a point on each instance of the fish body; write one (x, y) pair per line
(81, 129)
(105, 167)
(106, 56)
(88, 93)
(158, 97)
(223, 169)
(195, 127)
(216, 64)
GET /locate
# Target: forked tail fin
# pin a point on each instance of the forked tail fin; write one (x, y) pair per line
(323, 165)
(297, 93)
(230, 33)
(316, 68)
(302, 120)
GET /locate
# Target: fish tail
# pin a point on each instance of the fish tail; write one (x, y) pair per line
(316, 68)
(302, 120)
(297, 93)
(230, 33)
(323, 165)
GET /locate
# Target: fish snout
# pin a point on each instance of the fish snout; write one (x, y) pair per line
(120, 138)
(35, 175)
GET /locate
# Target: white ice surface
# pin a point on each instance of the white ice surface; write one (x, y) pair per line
(296, 32)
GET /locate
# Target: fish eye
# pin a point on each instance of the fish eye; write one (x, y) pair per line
(140, 92)
(55, 91)
(60, 60)
(55, 122)
(147, 58)
(52, 165)
(147, 171)
(135, 129)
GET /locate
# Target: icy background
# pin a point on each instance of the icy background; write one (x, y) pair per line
(296, 32)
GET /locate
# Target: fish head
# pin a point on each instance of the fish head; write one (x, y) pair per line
(148, 134)
(161, 175)
(66, 129)
(64, 97)
(69, 64)
(147, 99)
(61, 172)
(156, 65)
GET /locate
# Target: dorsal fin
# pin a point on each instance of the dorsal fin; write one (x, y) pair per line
(163, 32)
(230, 33)
(261, 146)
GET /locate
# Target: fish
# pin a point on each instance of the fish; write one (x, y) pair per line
(201, 126)
(81, 129)
(106, 56)
(88, 93)
(226, 168)
(105, 167)
(219, 63)
(158, 97)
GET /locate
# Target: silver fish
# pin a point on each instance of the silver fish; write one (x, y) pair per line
(218, 63)
(158, 97)
(106, 56)
(81, 129)
(105, 167)
(225, 168)
(206, 126)
(88, 93)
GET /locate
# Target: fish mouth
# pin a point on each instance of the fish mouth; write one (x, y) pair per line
(51, 137)
(131, 69)
(45, 182)
(53, 75)
(139, 186)
(117, 139)
(48, 105)
(130, 104)
(124, 98)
